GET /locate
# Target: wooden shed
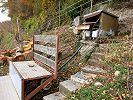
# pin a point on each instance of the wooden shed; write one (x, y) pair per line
(99, 22)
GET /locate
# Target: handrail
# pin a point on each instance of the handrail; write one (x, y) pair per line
(73, 55)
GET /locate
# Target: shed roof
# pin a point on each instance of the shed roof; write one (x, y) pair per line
(98, 13)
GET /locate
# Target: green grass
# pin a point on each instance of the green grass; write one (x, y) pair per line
(7, 42)
(106, 92)
(113, 87)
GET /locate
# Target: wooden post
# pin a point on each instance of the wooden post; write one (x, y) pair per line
(59, 13)
(20, 42)
(81, 8)
(91, 6)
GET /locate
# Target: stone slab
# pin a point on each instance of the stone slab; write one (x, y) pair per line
(78, 77)
(96, 63)
(54, 96)
(92, 69)
(98, 56)
(68, 86)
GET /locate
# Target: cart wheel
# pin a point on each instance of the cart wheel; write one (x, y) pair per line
(48, 86)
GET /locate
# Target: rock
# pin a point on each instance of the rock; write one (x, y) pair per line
(98, 84)
(85, 35)
(97, 63)
(89, 75)
(87, 47)
(117, 73)
(68, 86)
(77, 21)
(75, 30)
(54, 96)
(98, 56)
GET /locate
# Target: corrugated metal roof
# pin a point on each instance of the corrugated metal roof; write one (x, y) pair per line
(98, 13)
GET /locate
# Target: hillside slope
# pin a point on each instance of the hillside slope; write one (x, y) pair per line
(125, 13)
(69, 43)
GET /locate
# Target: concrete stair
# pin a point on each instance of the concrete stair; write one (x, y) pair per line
(54, 96)
(87, 47)
(85, 76)
(80, 78)
(96, 63)
(103, 45)
(92, 70)
(65, 88)
(76, 81)
(98, 56)
(102, 48)
(68, 86)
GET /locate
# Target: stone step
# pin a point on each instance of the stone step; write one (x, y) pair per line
(101, 50)
(68, 86)
(78, 77)
(86, 49)
(93, 70)
(54, 96)
(96, 63)
(98, 56)
(103, 45)
(89, 75)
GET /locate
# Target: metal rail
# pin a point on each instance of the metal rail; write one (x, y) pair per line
(73, 55)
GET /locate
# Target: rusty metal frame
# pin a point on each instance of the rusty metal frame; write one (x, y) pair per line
(33, 47)
(44, 84)
(22, 94)
(56, 58)
(54, 72)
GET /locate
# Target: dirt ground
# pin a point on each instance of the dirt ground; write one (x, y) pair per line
(125, 13)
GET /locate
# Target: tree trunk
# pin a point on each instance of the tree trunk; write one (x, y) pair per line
(19, 37)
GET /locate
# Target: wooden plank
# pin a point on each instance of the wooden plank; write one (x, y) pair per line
(56, 57)
(45, 38)
(30, 70)
(83, 27)
(44, 60)
(88, 23)
(45, 49)
(7, 90)
(16, 80)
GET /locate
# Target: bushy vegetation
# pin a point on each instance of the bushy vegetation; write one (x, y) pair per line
(6, 41)
(115, 2)
(36, 15)
(110, 91)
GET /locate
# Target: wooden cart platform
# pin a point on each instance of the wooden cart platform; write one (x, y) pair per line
(30, 70)
(42, 68)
